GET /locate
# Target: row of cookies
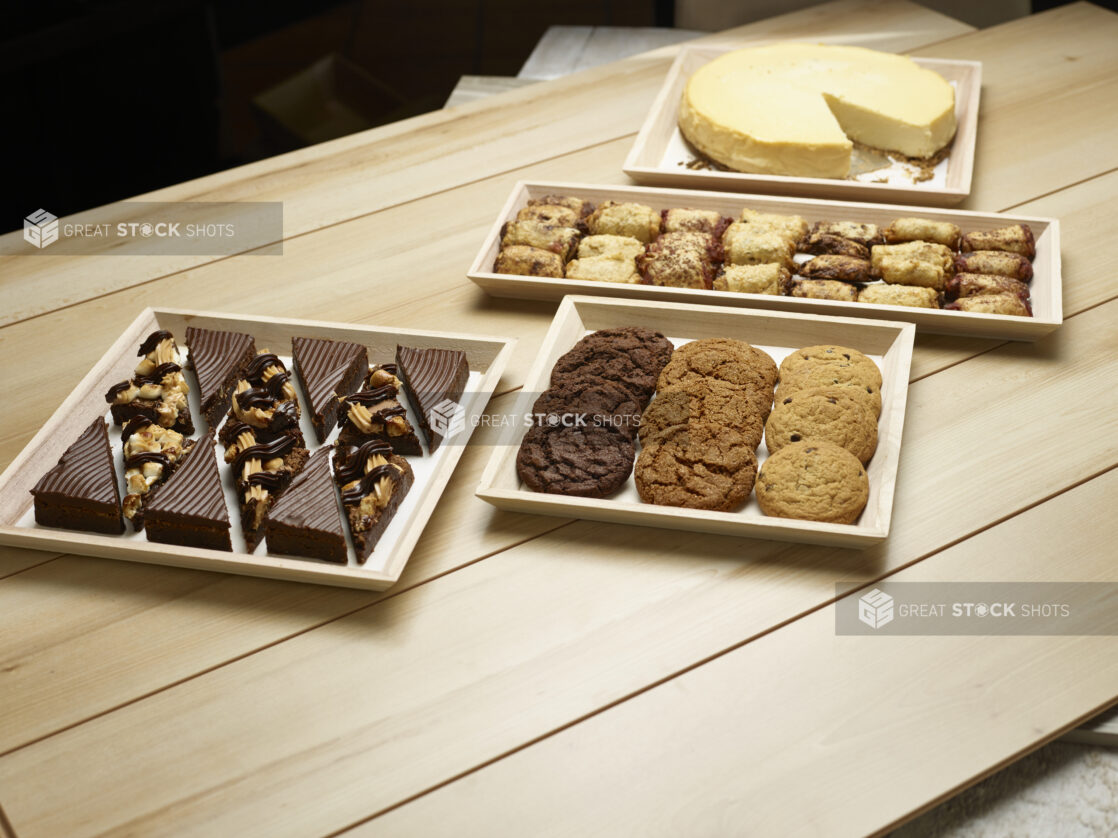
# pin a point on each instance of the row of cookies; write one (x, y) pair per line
(582, 431)
(173, 484)
(921, 262)
(821, 434)
(700, 434)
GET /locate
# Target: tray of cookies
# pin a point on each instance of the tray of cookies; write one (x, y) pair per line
(289, 449)
(948, 271)
(909, 139)
(723, 420)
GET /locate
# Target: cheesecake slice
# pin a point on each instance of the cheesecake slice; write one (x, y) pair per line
(796, 109)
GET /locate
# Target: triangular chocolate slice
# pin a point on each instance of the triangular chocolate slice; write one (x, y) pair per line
(218, 359)
(306, 519)
(190, 507)
(329, 370)
(81, 491)
(434, 380)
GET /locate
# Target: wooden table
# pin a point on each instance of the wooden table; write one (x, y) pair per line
(532, 675)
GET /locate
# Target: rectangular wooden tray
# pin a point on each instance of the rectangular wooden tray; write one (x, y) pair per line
(654, 157)
(487, 357)
(1046, 288)
(886, 342)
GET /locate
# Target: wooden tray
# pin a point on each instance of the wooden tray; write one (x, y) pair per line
(655, 155)
(887, 343)
(487, 357)
(1046, 289)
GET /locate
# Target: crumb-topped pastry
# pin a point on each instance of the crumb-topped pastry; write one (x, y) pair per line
(375, 412)
(151, 455)
(831, 266)
(604, 269)
(605, 246)
(789, 227)
(1016, 238)
(744, 245)
(971, 285)
(822, 289)
(922, 229)
(913, 263)
(157, 389)
(624, 219)
(684, 220)
(1003, 303)
(373, 481)
(680, 260)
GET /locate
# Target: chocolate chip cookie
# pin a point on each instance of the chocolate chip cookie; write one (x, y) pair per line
(830, 415)
(812, 355)
(832, 374)
(583, 461)
(629, 356)
(586, 401)
(703, 400)
(698, 466)
(813, 481)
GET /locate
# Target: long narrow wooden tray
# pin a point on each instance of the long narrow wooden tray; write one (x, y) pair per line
(1046, 284)
(487, 357)
(888, 343)
(658, 149)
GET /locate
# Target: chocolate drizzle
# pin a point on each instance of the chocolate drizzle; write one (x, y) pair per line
(369, 398)
(158, 374)
(272, 481)
(255, 369)
(136, 423)
(116, 390)
(153, 340)
(350, 460)
(278, 447)
(368, 483)
(137, 460)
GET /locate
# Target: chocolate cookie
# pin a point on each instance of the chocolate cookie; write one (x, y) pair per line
(831, 415)
(629, 356)
(590, 462)
(698, 466)
(813, 481)
(811, 355)
(733, 361)
(588, 401)
(703, 400)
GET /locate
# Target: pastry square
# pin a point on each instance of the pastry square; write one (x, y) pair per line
(922, 229)
(683, 220)
(768, 278)
(523, 260)
(554, 215)
(791, 227)
(679, 260)
(624, 248)
(823, 289)
(1005, 303)
(604, 269)
(625, 219)
(560, 240)
(899, 295)
(970, 285)
(1016, 238)
(743, 247)
(579, 205)
(842, 268)
(997, 262)
(821, 243)
(864, 234)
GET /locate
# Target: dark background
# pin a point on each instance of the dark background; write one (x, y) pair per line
(106, 100)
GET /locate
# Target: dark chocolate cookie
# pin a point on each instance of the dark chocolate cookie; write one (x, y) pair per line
(629, 356)
(588, 401)
(590, 462)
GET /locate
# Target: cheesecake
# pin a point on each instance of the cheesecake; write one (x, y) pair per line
(797, 109)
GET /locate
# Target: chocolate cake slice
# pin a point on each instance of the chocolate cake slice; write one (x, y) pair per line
(329, 370)
(190, 508)
(218, 359)
(263, 470)
(151, 455)
(374, 481)
(80, 492)
(434, 380)
(376, 413)
(305, 520)
(158, 388)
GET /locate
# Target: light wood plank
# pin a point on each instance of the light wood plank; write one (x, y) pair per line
(448, 675)
(132, 619)
(352, 176)
(903, 725)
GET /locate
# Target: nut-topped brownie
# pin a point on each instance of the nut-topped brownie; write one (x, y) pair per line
(151, 455)
(375, 412)
(373, 482)
(157, 389)
(80, 491)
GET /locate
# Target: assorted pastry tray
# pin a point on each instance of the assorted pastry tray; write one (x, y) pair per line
(573, 476)
(1039, 276)
(661, 157)
(260, 450)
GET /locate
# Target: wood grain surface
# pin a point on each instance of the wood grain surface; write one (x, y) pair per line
(642, 678)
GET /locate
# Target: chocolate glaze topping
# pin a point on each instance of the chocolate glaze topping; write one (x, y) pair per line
(350, 460)
(136, 423)
(278, 447)
(153, 340)
(137, 460)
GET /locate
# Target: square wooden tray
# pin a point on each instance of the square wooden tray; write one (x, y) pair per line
(888, 343)
(1046, 284)
(654, 157)
(487, 357)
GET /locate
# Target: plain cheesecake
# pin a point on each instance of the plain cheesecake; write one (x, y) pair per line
(794, 109)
